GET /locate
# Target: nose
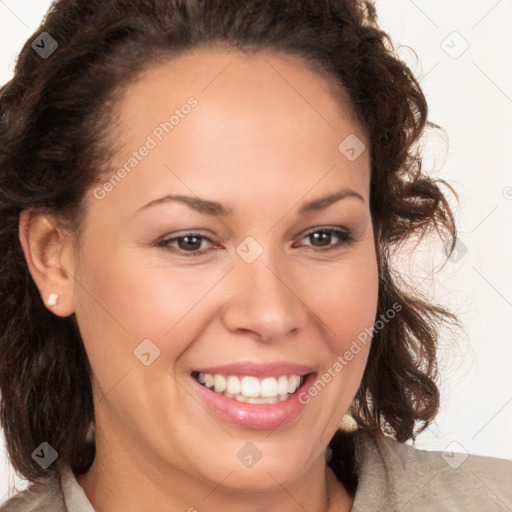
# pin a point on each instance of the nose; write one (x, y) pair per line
(266, 300)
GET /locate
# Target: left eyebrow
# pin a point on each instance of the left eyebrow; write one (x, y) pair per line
(324, 202)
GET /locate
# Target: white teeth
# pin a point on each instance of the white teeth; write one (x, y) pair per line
(269, 387)
(209, 380)
(293, 383)
(270, 400)
(220, 384)
(252, 389)
(233, 385)
(282, 385)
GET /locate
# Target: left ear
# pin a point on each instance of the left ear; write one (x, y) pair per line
(50, 259)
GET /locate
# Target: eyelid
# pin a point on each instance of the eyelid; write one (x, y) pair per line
(164, 242)
(326, 228)
(345, 235)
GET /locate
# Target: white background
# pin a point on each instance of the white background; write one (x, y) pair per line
(470, 96)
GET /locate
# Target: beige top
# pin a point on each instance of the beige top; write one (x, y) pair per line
(392, 477)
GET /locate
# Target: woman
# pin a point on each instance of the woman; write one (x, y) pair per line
(199, 204)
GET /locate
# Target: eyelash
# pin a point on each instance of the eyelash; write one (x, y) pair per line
(345, 236)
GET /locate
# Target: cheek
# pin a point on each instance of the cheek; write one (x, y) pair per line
(345, 298)
(121, 302)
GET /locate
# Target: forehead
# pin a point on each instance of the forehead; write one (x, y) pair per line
(258, 123)
(244, 83)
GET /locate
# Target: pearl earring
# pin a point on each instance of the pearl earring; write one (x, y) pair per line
(53, 299)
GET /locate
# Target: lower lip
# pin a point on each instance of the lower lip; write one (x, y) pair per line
(254, 416)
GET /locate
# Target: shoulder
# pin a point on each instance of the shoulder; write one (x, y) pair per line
(417, 479)
(398, 476)
(42, 496)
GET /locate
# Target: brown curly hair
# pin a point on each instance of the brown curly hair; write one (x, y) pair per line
(56, 137)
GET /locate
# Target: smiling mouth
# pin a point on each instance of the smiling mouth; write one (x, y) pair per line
(251, 389)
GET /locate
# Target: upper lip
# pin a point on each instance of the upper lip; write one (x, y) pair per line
(242, 368)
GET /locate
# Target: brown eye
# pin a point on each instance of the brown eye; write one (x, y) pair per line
(188, 244)
(322, 238)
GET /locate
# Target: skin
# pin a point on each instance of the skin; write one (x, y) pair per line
(263, 140)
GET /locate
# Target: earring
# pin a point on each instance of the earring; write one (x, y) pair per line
(53, 299)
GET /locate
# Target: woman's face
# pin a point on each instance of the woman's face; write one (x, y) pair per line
(272, 296)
